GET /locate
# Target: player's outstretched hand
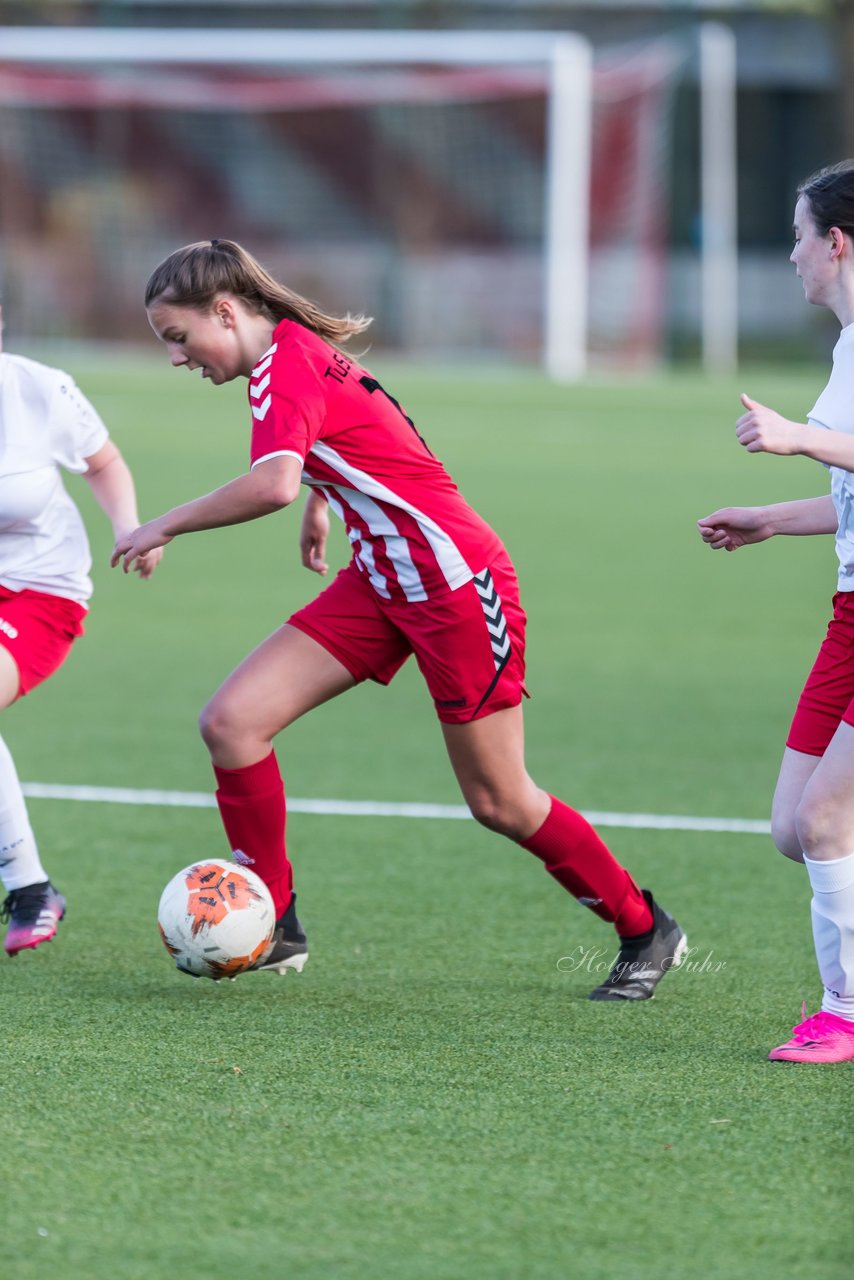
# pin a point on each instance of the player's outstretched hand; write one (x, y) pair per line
(734, 527)
(141, 550)
(763, 430)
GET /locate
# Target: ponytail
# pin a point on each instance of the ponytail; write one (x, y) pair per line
(195, 275)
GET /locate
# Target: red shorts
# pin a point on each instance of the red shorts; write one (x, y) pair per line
(828, 696)
(469, 644)
(38, 630)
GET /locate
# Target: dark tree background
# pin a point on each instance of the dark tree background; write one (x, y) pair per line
(843, 16)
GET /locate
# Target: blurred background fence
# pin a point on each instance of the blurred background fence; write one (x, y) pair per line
(415, 193)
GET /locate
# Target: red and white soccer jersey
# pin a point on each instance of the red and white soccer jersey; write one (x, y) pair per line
(411, 531)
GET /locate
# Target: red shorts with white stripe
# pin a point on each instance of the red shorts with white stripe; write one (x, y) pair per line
(828, 696)
(38, 630)
(469, 644)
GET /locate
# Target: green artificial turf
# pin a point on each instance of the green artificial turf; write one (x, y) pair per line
(435, 1096)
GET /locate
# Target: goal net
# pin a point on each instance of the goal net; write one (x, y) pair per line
(415, 193)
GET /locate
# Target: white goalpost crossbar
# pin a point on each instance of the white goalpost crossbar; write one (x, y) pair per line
(567, 56)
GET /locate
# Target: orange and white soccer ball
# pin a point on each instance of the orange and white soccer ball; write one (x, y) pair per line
(216, 919)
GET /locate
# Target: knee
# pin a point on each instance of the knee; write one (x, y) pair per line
(509, 815)
(493, 811)
(785, 836)
(487, 809)
(217, 724)
(814, 822)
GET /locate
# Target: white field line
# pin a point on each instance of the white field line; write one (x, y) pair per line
(384, 809)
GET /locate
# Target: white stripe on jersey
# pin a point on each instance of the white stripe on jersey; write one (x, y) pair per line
(278, 453)
(364, 554)
(381, 526)
(453, 566)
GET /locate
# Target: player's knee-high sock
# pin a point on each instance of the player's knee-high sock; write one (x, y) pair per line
(20, 864)
(583, 864)
(252, 807)
(833, 930)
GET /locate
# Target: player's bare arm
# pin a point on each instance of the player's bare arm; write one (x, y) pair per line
(763, 430)
(732, 527)
(268, 487)
(111, 482)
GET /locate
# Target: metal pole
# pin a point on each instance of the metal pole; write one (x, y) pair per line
(568, 209)
(719, 220)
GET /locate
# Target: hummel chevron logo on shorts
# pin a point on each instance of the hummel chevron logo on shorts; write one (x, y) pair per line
(493, 613)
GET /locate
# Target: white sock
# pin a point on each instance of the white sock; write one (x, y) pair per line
(833, 930)
(20, 864)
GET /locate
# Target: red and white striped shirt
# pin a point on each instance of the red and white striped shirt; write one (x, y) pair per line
(411, 530)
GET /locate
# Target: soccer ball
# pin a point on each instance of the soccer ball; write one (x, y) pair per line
(216, 919)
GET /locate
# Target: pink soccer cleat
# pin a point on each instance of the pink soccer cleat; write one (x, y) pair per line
(823, 1037)
(33, 914)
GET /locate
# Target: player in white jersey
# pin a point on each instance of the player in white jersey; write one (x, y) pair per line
(429, 578)
(813, 808)
(46, 425)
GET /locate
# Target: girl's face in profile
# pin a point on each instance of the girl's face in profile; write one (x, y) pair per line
(813, 256)
(197, 339)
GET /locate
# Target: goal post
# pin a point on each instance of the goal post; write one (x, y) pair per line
(568, 210)
(567, 56)
(478, 148)
(719, 198)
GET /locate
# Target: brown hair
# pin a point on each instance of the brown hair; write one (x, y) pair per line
(194, 275)
(830, 193)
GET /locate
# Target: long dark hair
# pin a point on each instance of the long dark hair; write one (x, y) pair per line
(830, 193)
(194, 275)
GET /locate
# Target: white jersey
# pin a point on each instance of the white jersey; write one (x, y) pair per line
(45, 423)
(834, 410)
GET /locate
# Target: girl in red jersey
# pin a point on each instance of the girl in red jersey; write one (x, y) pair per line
(428, 577)
(46, 426)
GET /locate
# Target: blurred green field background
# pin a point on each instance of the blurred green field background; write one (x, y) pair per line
(435, 1096)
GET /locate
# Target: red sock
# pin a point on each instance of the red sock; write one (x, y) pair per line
(252, 807)
(578, 859)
